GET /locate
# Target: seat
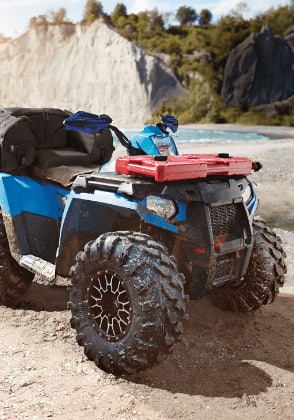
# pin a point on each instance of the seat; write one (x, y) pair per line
(48, 158)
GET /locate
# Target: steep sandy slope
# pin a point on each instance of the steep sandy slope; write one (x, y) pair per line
(89, 68)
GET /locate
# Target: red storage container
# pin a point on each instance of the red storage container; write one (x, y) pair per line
(187, 166)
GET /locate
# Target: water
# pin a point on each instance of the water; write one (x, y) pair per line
(208, 135)
(200, 135)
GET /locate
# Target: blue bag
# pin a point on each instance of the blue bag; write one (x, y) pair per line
(87, 122)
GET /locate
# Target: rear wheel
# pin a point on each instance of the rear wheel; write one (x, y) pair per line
(264, 276)
(127, 301)
(14, 280)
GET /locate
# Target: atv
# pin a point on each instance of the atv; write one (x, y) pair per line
(137, 235)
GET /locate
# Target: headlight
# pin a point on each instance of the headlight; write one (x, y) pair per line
(163, 207)
(247, 194)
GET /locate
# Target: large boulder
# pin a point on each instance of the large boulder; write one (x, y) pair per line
(260, 70)
(80, 67)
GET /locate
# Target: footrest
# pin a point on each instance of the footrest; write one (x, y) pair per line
(37, 265)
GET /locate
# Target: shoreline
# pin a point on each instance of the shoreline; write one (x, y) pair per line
(273, 132)
(253, 147)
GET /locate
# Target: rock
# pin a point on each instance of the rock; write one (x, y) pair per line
(260, 70)
(89, 68)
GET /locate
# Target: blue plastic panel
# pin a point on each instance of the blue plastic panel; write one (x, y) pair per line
(22, 194)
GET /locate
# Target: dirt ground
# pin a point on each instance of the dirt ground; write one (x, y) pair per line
(229, 366)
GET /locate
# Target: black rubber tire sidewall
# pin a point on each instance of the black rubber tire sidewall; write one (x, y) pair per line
(155, 289)
(264, 277)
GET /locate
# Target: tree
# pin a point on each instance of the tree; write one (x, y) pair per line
(54, 17)
(239, 9)
(149, 26)
(156, 18)
(38, 21)
(93, 10)
(205, 17)
(33, 22)
(279, 20)
(186, 15)
(127, 26)
(119, 11)
(58, 16)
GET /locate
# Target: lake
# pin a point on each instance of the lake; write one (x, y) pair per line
(201, 135)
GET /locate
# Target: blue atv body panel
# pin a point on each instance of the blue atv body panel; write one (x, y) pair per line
(89, 214)
(32, 211)
(150, 139)
(93, 212)
(23, 194)
(97, 210)
(253, 203)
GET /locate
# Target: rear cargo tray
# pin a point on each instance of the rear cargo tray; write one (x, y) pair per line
(187, 166)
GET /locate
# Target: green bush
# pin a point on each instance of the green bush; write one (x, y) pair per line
(253, 117)
(192, 108)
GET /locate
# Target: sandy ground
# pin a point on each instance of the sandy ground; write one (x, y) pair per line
(229, 366)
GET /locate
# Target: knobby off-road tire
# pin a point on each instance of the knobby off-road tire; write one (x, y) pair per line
(127, 301)
(264, 276)
(14, 280)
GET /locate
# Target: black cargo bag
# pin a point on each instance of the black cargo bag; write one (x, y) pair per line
(99, 146)
(17, 143)
(46, 124)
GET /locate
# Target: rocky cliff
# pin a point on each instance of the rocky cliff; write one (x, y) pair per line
(89, 68)
(259, 71)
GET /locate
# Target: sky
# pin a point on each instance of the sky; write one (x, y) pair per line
(15, 14)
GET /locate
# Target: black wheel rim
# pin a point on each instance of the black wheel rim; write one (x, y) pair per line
(109, 305)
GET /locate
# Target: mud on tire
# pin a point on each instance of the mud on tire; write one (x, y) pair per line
(127, 301)
(264, 276)
(14, 280)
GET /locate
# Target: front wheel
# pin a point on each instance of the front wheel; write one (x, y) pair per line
(127, 301)
(264, 276)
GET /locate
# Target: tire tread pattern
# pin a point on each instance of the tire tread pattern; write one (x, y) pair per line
(264, 277)
(155, 284)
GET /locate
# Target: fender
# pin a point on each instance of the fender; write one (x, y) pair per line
(32, 212)
(86, 216)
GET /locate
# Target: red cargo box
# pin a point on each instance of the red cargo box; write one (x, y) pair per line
(186, 166)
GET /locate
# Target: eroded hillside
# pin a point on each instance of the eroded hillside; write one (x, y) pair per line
(89, 68)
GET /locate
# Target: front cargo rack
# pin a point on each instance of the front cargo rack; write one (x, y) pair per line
(186, 166)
